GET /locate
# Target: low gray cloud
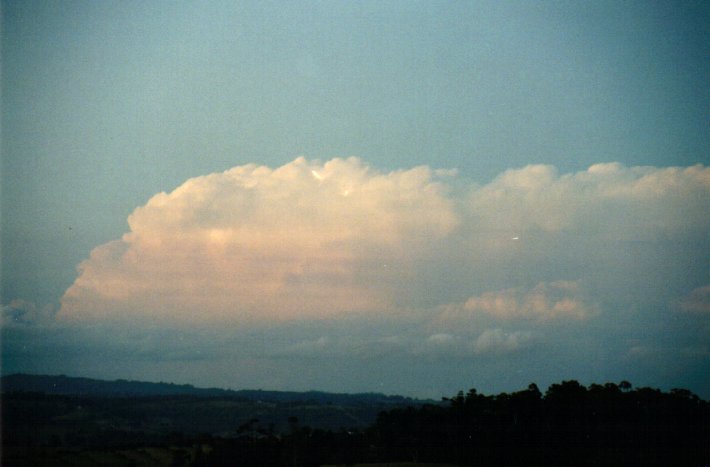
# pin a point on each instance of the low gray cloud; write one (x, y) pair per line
(697, 301)
(20, 313)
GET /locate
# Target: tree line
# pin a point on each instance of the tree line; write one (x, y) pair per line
(570, 424)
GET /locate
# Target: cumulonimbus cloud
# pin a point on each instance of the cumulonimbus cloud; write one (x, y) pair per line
(304, 240)
(312, 239)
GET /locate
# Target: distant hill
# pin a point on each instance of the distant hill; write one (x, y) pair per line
(69, 385)
(59, 420)
(83, 412)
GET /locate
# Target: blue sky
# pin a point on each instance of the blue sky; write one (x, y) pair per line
(570, 241)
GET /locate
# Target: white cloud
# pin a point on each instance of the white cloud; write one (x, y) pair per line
(255, 243)
(318, 240)
(498, 341)
(545, 301)
(608, 200)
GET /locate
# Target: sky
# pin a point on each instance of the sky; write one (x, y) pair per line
(402, 197)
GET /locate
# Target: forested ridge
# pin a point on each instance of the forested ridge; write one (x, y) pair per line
(77, 386)
(568, 424)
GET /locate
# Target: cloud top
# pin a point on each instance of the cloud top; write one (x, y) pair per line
(252, 243)
(607, 199)
(317, 240)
